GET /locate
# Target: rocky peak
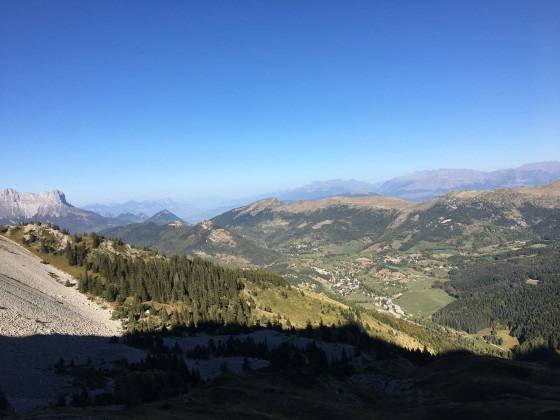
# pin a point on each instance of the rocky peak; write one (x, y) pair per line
(27, 205)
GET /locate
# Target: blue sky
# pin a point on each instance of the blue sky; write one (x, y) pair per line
(116, 100)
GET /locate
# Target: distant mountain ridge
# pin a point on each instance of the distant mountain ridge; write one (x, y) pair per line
(52, 206)
(147, 207)
(425, 185)
(319, 190)
(416, 186)
(281, 226)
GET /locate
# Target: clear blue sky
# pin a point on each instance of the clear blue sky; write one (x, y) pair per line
(118, 100)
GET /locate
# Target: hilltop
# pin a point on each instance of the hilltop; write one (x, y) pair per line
(165, 217)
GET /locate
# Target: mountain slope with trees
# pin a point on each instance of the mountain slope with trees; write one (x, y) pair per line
(205, 239)
(518, 290)
(479, 218)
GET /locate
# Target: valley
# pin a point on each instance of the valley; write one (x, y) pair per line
(275, 287)
(393, 256)
(280, 210)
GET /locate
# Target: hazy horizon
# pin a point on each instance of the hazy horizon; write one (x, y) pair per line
(212, 203)
(118, 101)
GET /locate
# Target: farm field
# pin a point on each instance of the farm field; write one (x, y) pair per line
(421, 300)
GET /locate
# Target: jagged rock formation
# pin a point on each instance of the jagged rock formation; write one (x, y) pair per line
(49, 207)
(16, 205)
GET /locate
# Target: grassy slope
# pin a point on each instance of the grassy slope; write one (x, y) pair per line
(275, 302)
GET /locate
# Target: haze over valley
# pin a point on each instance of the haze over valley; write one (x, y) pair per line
(418, 186)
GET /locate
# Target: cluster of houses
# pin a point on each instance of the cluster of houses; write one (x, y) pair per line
(388, 258)
(346, 285)
(343, 282)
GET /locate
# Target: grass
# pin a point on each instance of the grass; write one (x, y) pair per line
(315, 307)
(301, 308)
(509, 342)
(421, 300)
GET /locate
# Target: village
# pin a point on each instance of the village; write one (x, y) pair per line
(344, 282)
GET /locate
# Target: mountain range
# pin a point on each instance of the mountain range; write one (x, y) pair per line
(262, 232)
(52, 206)
(417, 186)
(424, 185)
(145, 207)
(382, 220)
(474, 270)
(319, 190)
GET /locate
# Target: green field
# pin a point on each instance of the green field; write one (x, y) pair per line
(421, 300)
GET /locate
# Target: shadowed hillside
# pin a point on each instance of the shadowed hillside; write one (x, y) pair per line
(284, 376)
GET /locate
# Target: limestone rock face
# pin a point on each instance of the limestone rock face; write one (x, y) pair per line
(49, 207)
(16, 205)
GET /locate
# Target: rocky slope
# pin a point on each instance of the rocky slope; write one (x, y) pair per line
(42, 320)
(35, 300)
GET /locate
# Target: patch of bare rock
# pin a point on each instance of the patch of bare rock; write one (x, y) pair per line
(42, 320)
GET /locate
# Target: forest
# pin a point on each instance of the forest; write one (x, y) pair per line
(152, 292)
(518, 290)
